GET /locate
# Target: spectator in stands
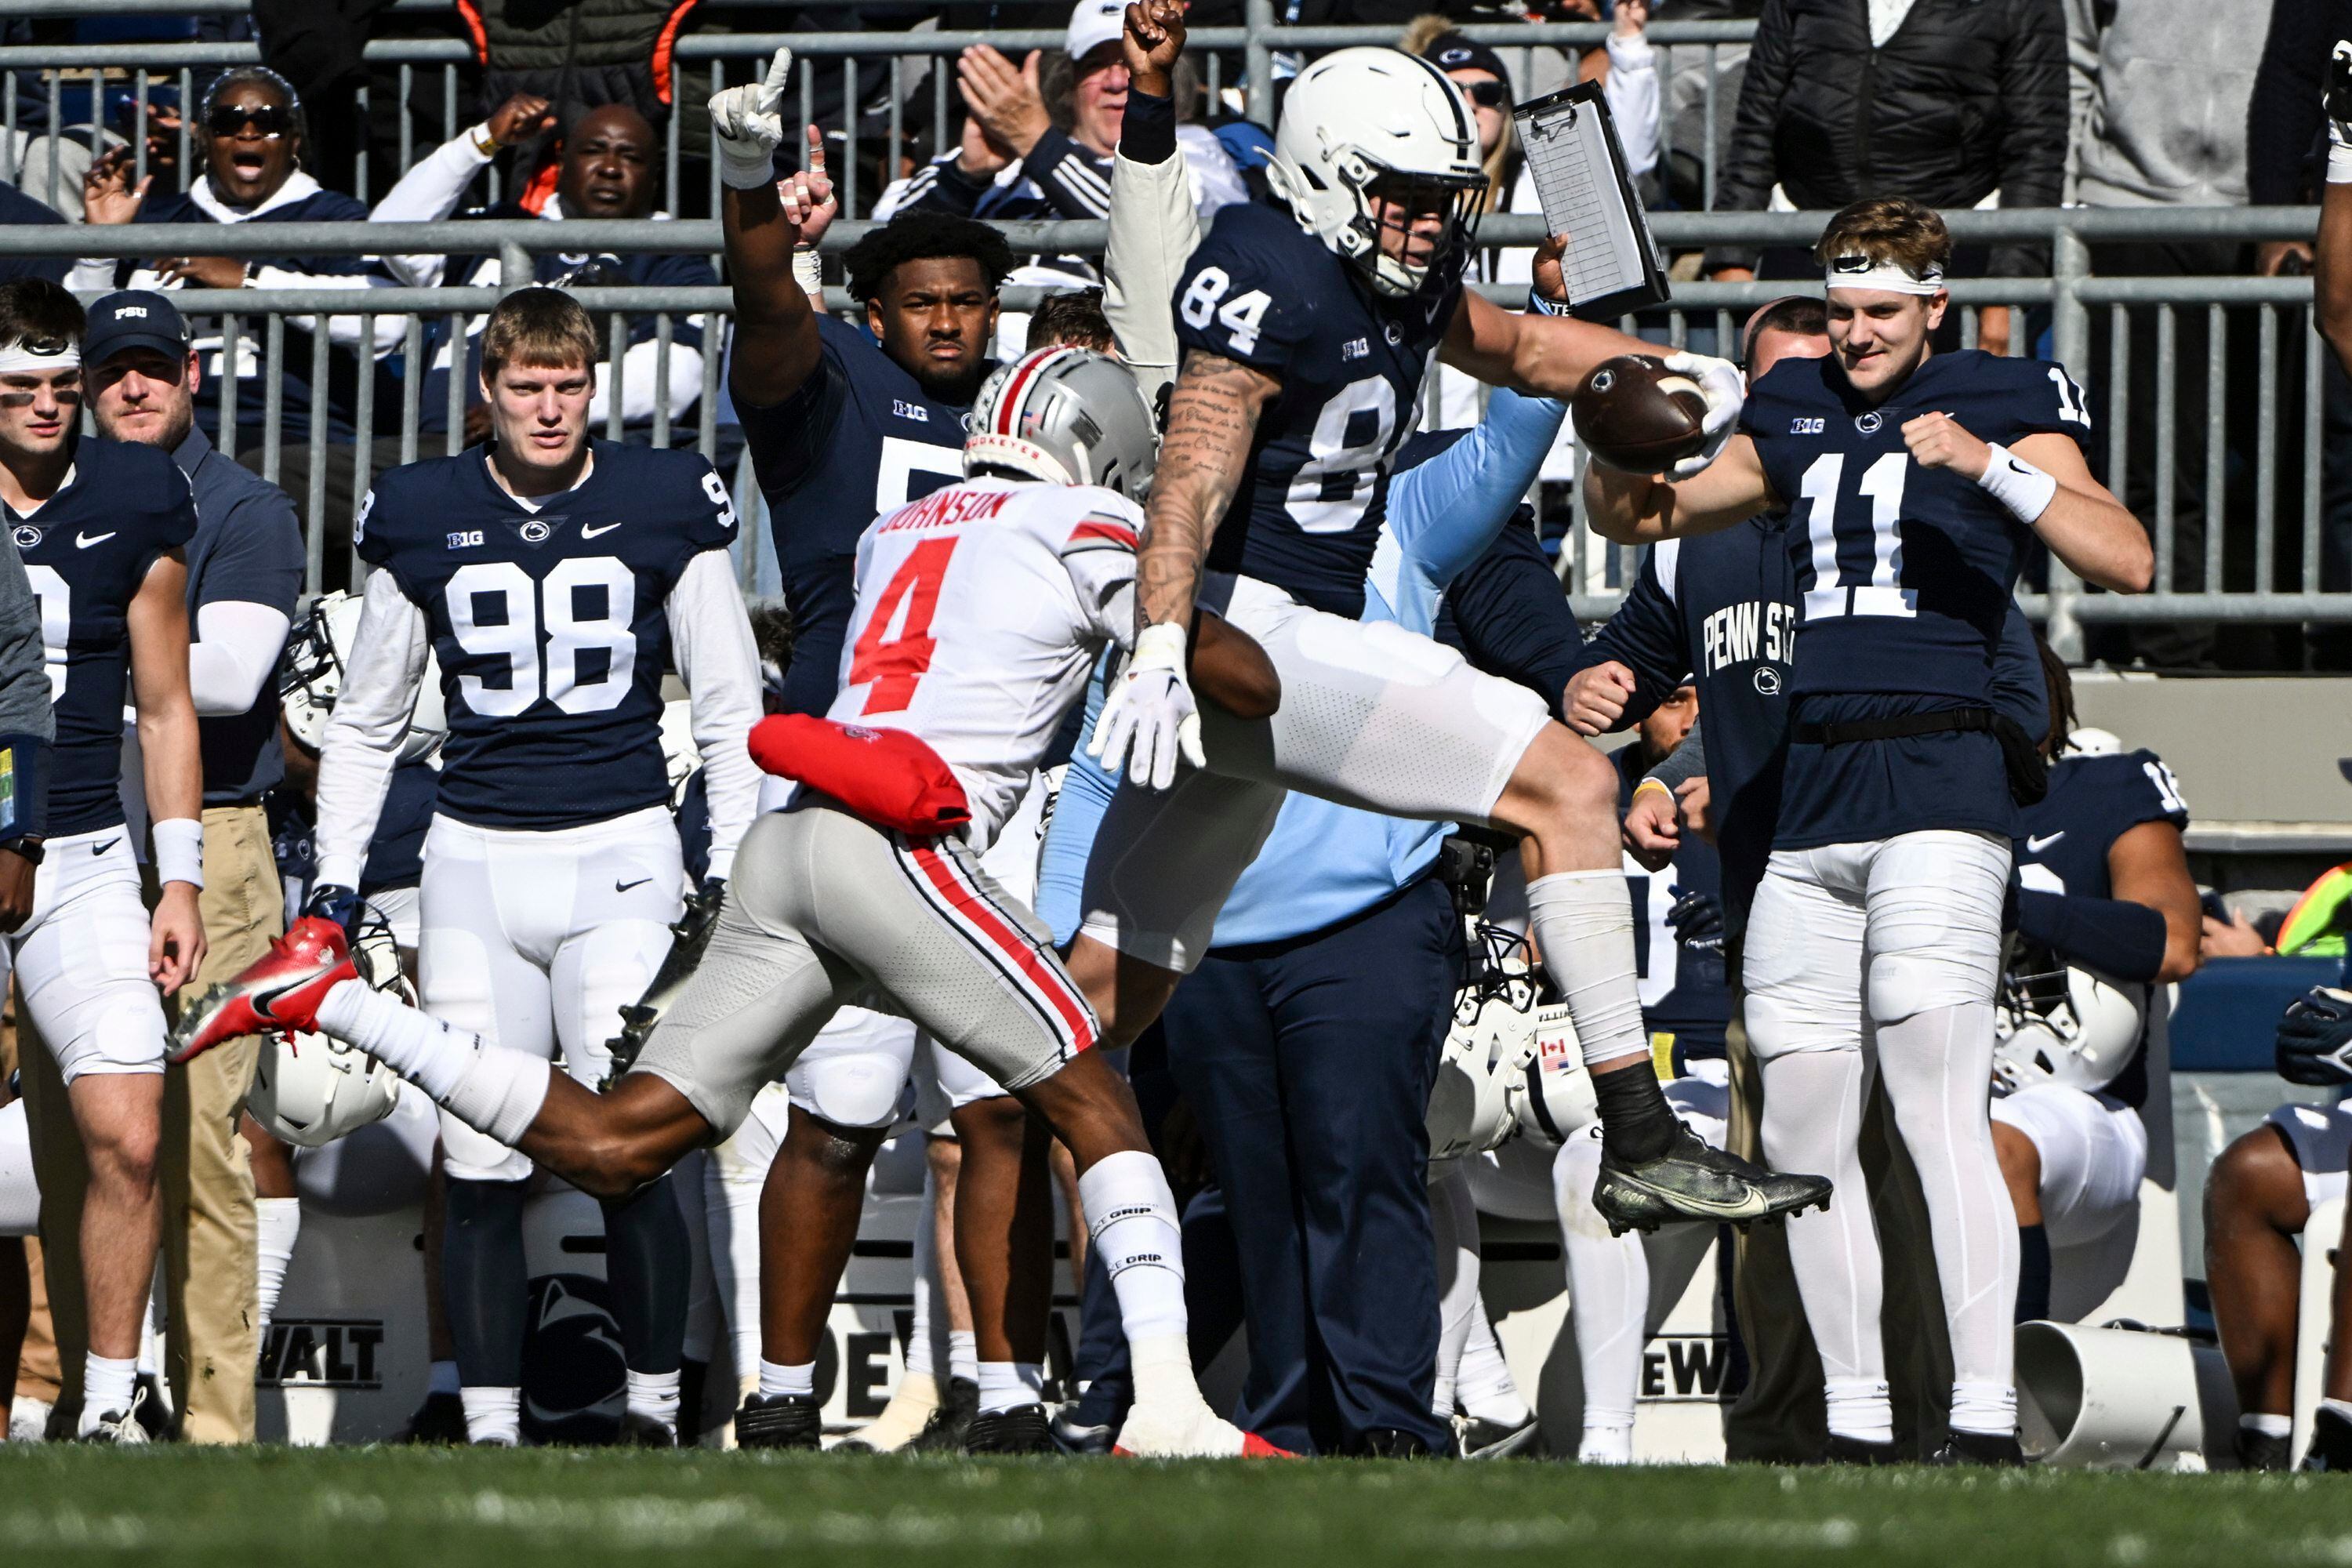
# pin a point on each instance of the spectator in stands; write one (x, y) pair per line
(245, 572)
(16, 211)
(606, 169)
(2162, 90)
(1946, 104)
(252, 130)
(579, 56)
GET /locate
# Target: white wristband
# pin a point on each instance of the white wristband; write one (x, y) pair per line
(746, 164)
(2339, 163)
(808, 271)
(2017, 484)
(179, 850)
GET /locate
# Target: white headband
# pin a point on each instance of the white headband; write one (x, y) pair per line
(18, 357)
(1858, 271)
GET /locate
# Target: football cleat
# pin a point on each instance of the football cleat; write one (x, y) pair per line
(1846, 1450)
(440, 1420)
(1475, 1438)
(2331, 1441)
(912, 1407)
(780, 1421)
(277, 994)
(119, 1427)
(2263, 1451)
(1073, 1436)
(689, 935)
(943, 1432)
(1189, 1433)
(647, 1432)
(1998, 1449)
(1021, 1430)
(1692, 1181)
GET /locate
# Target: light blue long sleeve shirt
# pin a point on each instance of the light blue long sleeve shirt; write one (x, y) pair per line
(1325, 862)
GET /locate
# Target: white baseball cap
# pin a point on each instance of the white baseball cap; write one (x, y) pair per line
(1093, 24)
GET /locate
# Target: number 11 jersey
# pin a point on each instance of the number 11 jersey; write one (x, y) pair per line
(550, 625)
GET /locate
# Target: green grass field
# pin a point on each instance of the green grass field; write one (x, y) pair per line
(354, 1508)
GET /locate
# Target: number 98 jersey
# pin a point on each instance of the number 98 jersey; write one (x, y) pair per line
(1262, 291)
(551, 627)
(1904, 573)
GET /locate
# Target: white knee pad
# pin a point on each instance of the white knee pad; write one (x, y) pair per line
(854, 1073)
(1802, 963)
(1935, 904)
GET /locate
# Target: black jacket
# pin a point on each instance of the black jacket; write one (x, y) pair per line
(1967, 97)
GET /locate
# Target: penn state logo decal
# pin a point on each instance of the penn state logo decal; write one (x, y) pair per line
(1868, 424)
(26, 536)
(1768, 680)
(535, 531)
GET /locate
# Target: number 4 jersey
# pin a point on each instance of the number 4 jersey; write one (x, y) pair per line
(552, 625)
(980, 611)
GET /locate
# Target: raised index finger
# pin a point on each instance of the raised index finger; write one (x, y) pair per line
(817, 150)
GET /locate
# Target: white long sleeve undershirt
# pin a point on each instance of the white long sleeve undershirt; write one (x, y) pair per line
(384, 668)
(234, 654)
(710, 638)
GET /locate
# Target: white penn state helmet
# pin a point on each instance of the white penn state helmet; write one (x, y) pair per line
(1364, 117)
(308, 1089)
(312, 673)
(1552, 1098)
(1469, 1100)
(2062, 1024)
(1067, 415)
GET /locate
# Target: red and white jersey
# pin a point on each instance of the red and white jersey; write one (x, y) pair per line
(981, 611)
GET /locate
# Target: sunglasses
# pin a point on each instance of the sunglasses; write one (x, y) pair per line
(1484, 94)
(272, 120)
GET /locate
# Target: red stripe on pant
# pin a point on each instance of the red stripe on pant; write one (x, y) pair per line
(1048, 981)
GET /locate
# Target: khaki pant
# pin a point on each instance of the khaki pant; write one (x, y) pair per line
(211, 1342)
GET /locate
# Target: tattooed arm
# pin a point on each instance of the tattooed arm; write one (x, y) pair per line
(1212, 418)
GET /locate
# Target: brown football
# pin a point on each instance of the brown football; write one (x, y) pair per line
(1632, 412)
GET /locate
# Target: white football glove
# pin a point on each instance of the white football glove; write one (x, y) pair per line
(1149, 716)
(750, 126)
(1719, 382)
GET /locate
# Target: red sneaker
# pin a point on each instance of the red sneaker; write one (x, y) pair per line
(279, 993)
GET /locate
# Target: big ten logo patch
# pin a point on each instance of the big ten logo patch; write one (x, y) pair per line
(322, 1353)
(1686, 1369)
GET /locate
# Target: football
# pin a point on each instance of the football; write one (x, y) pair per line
(1632, 412)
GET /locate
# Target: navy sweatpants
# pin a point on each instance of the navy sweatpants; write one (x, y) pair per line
(1308, 1064)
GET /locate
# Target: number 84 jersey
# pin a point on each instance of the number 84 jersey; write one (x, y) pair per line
(550, 625)
(1904, 573)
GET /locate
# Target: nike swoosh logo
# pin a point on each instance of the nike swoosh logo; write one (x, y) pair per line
(600, 528)
(85, 540)
(2036, 846)
(2017, 468)
(263, 1003)
(625, 886)
(102, 848)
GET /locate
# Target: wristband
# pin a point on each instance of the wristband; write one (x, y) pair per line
(2017, 484)
(2339, 163)
(1649, 782)
(1163, 643)
(808, 271)
(1543, 306)
(179, 850)
(485, 140)
(745, 164)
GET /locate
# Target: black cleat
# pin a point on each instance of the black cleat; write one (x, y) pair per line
(647, 1432)
(944, 1432)
(1846, 1450)
(1694, 1182)
(441, 1419)
(1475, 1438)
(2331, 1441)
(1979, 1449)
(1073, 1436)
(1389, 1443)
(1022, 1429)
(781, 1421)
(2261, 1451)
(689, 935)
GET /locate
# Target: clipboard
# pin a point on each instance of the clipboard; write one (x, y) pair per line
(1577, 165)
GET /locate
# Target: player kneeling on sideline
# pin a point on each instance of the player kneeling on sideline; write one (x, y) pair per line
(980, 612)
(2107, 916)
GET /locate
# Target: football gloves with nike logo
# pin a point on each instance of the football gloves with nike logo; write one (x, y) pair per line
(2315, 1039)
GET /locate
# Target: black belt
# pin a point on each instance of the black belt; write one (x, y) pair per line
(1948, 721)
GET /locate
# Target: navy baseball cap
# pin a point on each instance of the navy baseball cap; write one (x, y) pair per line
(134, 318)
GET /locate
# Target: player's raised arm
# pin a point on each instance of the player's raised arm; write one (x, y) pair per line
(1212, 418)
(765, 221)
(1642, 509)
(2045, 481)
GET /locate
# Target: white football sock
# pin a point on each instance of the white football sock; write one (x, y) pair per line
(1485, 1388)
(2273, 1426)
(1131, 1215)
(2341, 1406)
(1813, 1104)
(1453, 1217)
(777, 1379)
(654, 1394)
(1606, 1441)
(731, 1197)
(1583, 921)
(963, 1355)
(1937, 1065)
(925, 1346)
(493, 1415)
(491, 1089)
(106, 1385)
(1608, 1295)
(276, 1224)
(1010, 1384)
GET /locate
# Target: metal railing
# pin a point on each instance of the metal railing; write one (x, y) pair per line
(2255, 546)
(879, 74)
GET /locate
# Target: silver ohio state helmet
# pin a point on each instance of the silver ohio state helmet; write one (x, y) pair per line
(1364, 123)
(311, 673)
(2061, 1025)
(1067, 415)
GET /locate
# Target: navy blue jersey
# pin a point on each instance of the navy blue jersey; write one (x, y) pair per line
(395, 856)
(1262, 291)
(550, 626)
(636, 270)
(2064, 840)
(858, 438)
(87, 550)
(16, 211)
(1686, 993)
(1904, 573)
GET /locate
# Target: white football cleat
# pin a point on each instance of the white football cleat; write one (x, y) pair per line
(1170, 1431)
(901, 1421)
